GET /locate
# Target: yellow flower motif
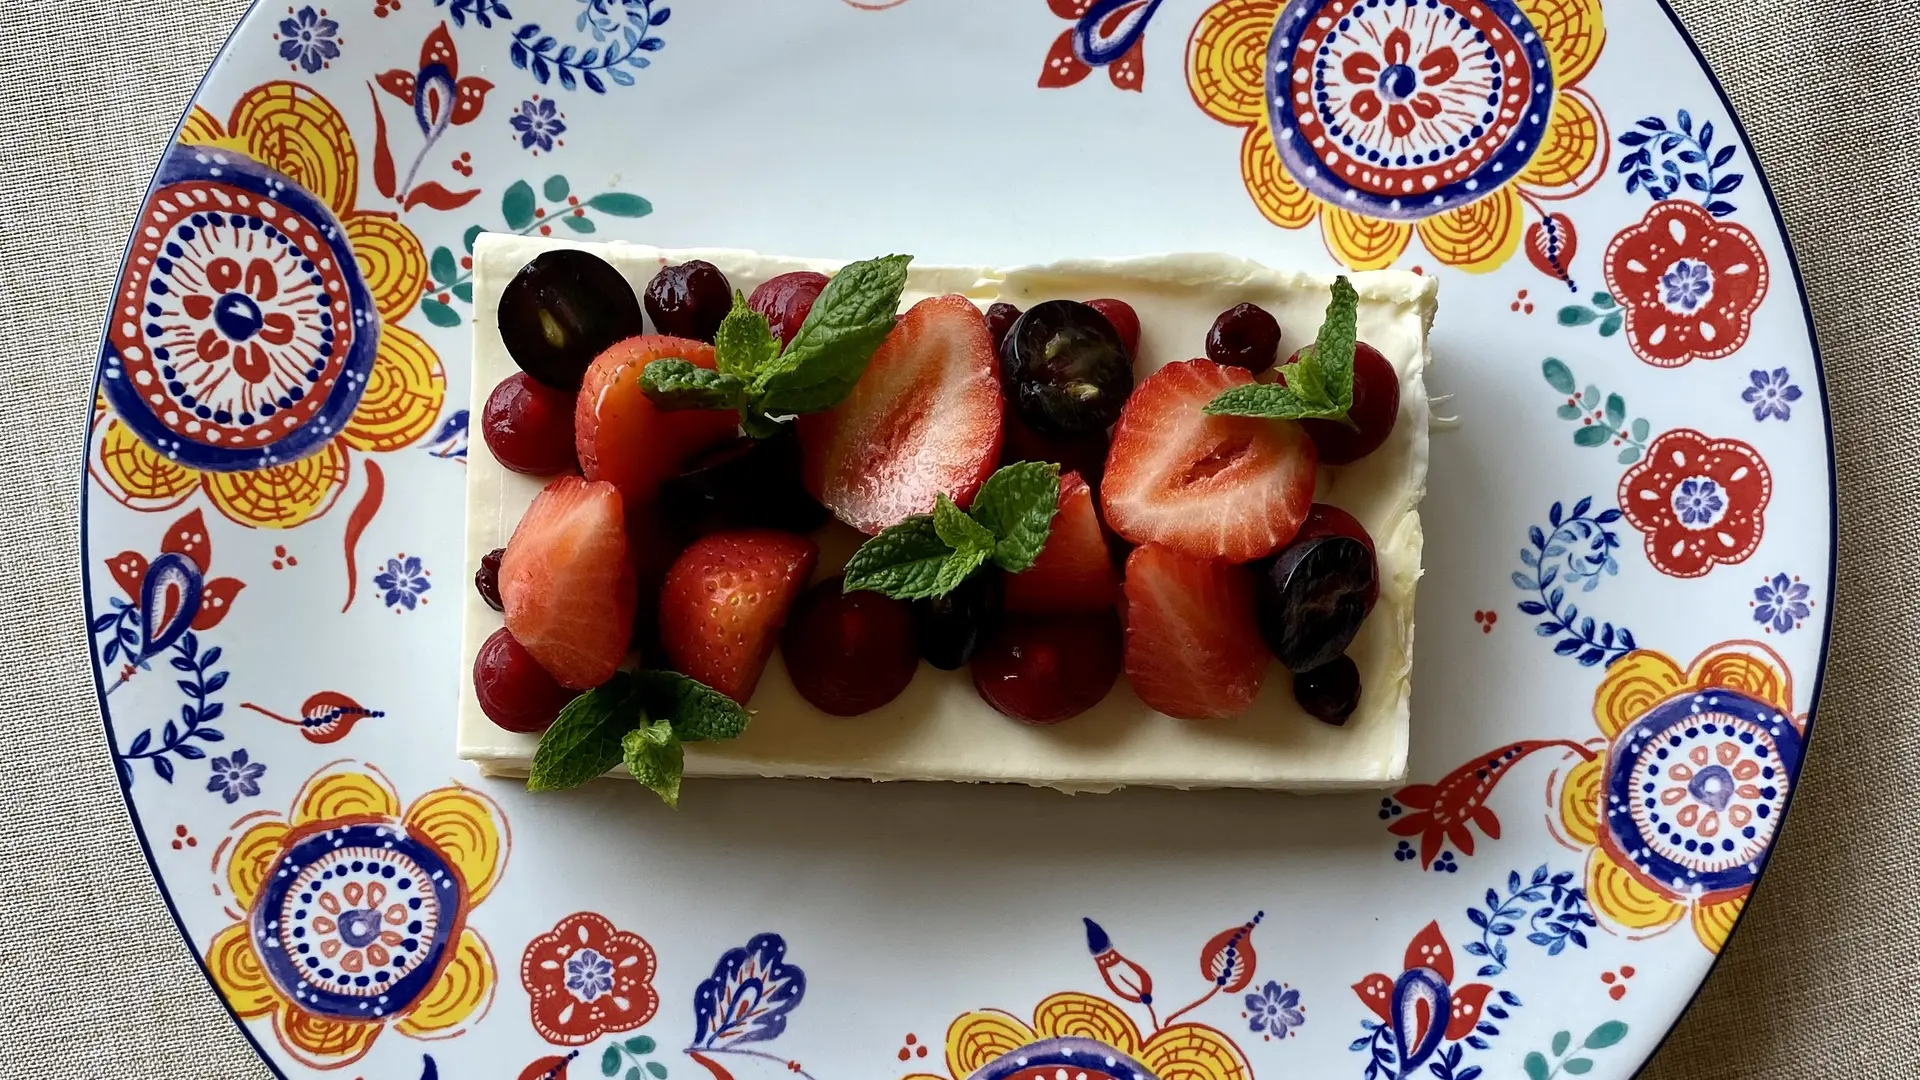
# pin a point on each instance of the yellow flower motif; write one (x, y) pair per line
(355, 915)
(1679, 811)
(256, 339)
(1093, 1036)
(1445, 121)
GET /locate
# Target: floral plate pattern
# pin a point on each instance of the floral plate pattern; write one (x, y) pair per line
(1602, 757)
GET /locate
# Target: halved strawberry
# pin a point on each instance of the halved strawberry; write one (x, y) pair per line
(566, 582)
(619, 435)
(924, 419)
(724, 602)
(1225, 487)
(1193, 648)
(1074, 573)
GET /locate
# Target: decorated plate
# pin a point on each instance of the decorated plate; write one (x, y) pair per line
(1620, 631)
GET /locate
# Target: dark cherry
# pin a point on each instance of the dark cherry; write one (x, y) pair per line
(1125, 322)
(1244, 336)
(1376, 404)
(947, 630)
(513, 689)
(848, 653)
(1311, 598)
(1065, 370)
(743, 484)
(785, 300)
(1325, 519)
(529, 427)
(1000, 319)
(689, 300)
(486, 580)
(1329, 692)
(1084, 454)
(563, 309)
(1045, 669)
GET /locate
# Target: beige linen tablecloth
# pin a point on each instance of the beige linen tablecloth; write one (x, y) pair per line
(1823, 978)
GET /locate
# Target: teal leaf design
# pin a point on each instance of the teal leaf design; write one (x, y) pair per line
(1536, 1066)
(556, 188)
(1558, 375)
(1561, 1040)
(1616, 410)
(1605, 1035)
(442, 267)
(578, 224)
(1592, 435)
(516, 206)
(1575, 315)
(439, 314)
(464, 291)
(610, 1061)
(1610, 325)
(620, 204)
(472, 234)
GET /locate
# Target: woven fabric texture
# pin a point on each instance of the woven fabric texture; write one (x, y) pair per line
(1822, 979)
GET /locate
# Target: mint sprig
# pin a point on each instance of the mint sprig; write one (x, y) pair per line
(930, 555)
(1319, 386)
(638, 718)
(818, 368)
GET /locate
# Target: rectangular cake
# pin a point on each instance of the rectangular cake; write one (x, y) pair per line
(939, 728)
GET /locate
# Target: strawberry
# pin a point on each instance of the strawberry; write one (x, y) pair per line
(1225, 487)
(724, 602)
(1193, 647)
(618, 434)
(924, 419)
(1074, 573)
(566, 581)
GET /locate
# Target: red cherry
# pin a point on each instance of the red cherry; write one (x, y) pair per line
(514, 690)
(529, 427)
(1046, 669)
(785, 300)
(849, 653)
(1376, 404)
(1126, 322)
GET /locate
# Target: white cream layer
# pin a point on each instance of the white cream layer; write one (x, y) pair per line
(939, 729)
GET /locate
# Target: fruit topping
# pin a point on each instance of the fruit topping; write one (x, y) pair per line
(924, 419)
(1124, 320)
(1312, 598)
(1227, 487)
(1065, 369)
(1325, 519)
(743, 484)
(1083, 454)
(1043, 669)
(1376, 405)
(529, 426)
(848, 653)
(725, 600)
(486, 580)
(1074, 572)
(566, 582)
(1193, 648)
(689, 300)
(563, 309)
(1000, 319)
(930, 555)
(948, 628)
(622, 437)
(638, 719)
(513, 689)
(785, 299)
(1329, 692)
(1244, 336)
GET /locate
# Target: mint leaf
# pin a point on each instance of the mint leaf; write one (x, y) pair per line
(697, 712)
(1333, 349)
(960, 532)
(679, 384)
(1319, 386)
(904, 562)
(744, 343)
(829, 353)
(653, 755)
(957, 569)
(1017, 505)
(584, 741)
(758, 425)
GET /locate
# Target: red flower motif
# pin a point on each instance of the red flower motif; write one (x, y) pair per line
(586, 979)
(1443, 812)
(1398, 83)
(1699, 501)
(436, 91)
(1688, 284)
(1117, 40)
(1422, 1005)
(187, 539)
